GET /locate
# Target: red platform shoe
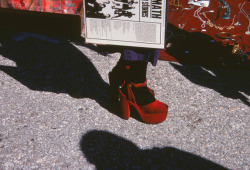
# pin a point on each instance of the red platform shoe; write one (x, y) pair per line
(115, 82)
(152, 113)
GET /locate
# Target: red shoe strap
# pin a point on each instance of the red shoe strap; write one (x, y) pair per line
(136, 85)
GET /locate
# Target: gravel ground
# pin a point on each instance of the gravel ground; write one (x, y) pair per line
(55, 112)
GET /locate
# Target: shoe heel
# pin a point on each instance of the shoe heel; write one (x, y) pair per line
(113, 87)
(124, 104)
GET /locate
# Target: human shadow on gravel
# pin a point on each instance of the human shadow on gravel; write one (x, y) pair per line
(54, 65)
(202, 60)
(232, 84)
(108, 151)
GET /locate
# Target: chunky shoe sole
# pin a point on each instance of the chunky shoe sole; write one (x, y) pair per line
(146, 112)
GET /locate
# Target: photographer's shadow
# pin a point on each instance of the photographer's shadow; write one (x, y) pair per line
(108, 151)
(54, 67)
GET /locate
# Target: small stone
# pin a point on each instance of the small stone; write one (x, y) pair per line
(39, 160)
(81, 110)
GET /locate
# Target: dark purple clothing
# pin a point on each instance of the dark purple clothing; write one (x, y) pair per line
(141, 54)
(132, 53)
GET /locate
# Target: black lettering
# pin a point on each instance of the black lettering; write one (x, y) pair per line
(156, 2)
(145, 9)
(156, 9)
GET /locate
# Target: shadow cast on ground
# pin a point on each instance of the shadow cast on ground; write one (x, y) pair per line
(210, 64)
(54, 67)
(232, 84)
(108, 151)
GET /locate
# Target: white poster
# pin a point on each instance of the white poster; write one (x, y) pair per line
(136, 23)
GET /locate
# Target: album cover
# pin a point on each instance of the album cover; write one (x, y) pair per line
(137, 23)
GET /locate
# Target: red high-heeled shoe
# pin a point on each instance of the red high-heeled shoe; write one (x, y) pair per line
(152, 113)
(115, 82)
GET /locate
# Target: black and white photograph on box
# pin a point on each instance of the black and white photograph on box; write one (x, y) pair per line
(94, 9)
(112, 9)
(124, 8)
